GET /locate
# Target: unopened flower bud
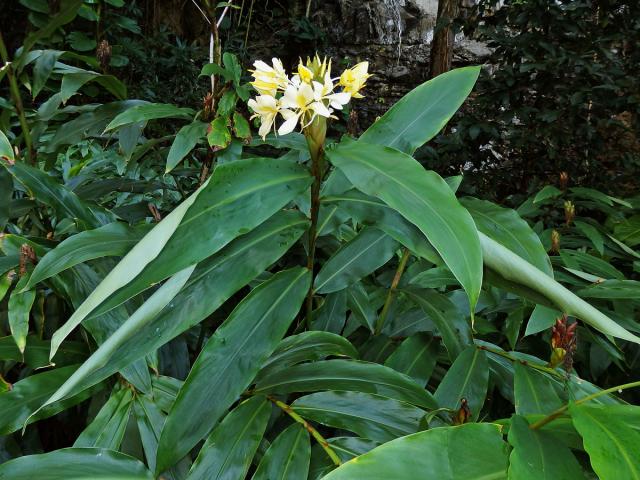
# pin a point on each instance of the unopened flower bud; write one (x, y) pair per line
(463, 415)
(563, 343)
(569, 212)
(564, 180)
(555, 241)
(103, 54)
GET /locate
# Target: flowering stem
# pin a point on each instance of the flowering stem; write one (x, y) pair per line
(314, 433)
(315, 135)
(551, 417)
(392, 290)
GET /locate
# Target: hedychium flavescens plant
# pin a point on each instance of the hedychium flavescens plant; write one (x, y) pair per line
(306, 100)
(379, 342)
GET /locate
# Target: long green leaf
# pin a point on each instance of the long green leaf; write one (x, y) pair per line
(212, 282)
(538, 455)
(66, 204)
(238, 197)
(533, 392)
(452, 326)
(471, 451)
(416, 357)
(20, 303)
(612, 440)
(423, 198)
(506, 227)
(150, 419)
(288, 456)
(230, 361)
(467, 378)
(113, 239)
(76, 464)
(228, 451)
(108, 427)
(186, 139)
(371, 211)
(305, 347)
(18, 404)
(148, 111)
(515, 269)
(144, 314)
(370, 416)
(36, 355)
(367, 251)
(423, 112)
(349, 375)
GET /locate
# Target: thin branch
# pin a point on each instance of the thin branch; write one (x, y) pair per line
(551, 417)
(17, 100)
(392, 290)
(314, 433)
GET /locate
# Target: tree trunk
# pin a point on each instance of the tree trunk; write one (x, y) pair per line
(442, 46)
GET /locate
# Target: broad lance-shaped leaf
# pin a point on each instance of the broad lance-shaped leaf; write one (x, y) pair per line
(533, 392)
(108, 427)
(131, 265)
(113, 239)
(423, 198)
(148, 111)
(76, 464)
(230, 361)
(6, 150)
(416, 356)
(66, 204)
(506, 227)
(368, 250)
(305, 347)
(467, 378)
(515, 269)
(538, 455)
(372, 211)
(237, 198)
(369, 416)
(611, 438)
(211, 284)
(25, 397)
(150, 419)
(186, 139)
(147, 311)
(347, 375)
(471, 451)
(241, 195)
(423, 112)
(228, 451)
(20, 303)
(451, 324)
(36, 355)
(331, 315)
(288, 456)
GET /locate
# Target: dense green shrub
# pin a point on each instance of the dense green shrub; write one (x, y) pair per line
(211, 303)
(561, 93)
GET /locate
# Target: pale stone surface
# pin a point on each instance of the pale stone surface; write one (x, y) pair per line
(430, 7)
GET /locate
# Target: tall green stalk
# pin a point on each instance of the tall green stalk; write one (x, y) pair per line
(17, 100)
(315, 135)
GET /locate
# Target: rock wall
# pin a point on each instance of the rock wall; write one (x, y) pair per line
(395, 37)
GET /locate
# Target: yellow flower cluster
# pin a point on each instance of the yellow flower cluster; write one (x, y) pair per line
(309, 93)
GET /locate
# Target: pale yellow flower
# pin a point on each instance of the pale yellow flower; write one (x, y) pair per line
(266, 107)
(353, 79)
(269, 79)
(299, 103)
